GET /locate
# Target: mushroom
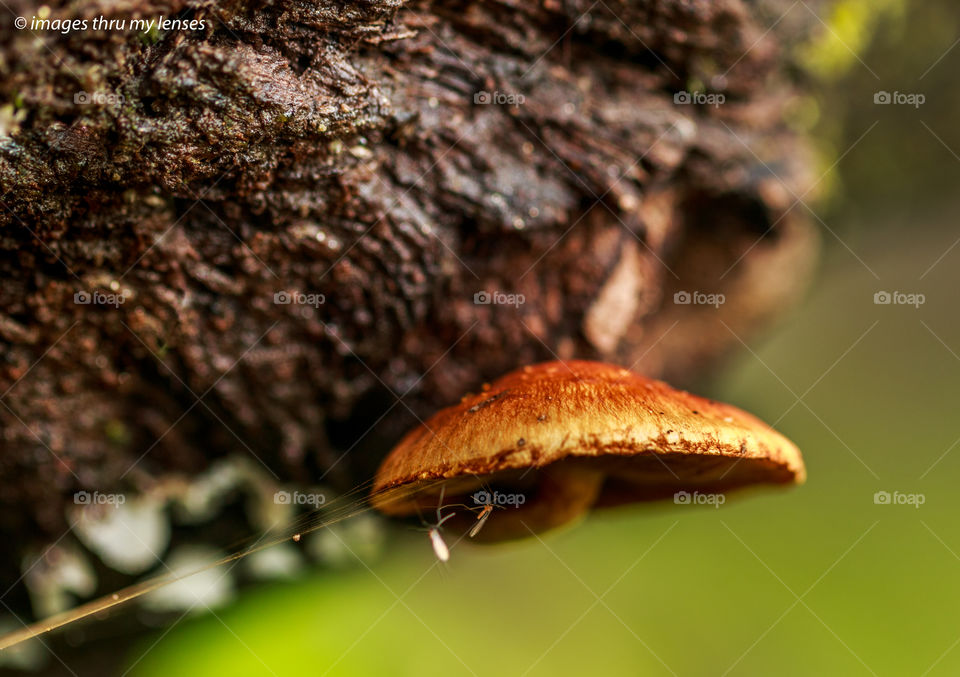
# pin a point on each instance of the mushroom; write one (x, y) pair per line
(551, 441)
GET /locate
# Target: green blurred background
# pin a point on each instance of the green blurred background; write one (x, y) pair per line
(817, 580)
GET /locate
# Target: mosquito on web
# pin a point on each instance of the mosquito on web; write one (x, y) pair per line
(440, 548)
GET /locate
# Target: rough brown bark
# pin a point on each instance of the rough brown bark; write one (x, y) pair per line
(337, 148)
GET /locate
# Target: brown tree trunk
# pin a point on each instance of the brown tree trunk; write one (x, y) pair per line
(392, 159)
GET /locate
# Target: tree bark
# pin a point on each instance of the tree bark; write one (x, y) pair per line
(396, 158)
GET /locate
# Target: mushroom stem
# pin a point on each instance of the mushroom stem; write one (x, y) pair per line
(564, 493)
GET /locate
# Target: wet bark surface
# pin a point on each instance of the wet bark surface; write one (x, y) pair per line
(391, 160)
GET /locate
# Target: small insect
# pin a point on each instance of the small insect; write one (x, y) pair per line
(485, 501)
(481, 519)
(440, 548)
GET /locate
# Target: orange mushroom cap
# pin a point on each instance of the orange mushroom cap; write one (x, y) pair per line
(569, 436)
